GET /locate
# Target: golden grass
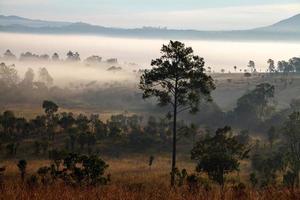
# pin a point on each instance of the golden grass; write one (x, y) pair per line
(132, 179)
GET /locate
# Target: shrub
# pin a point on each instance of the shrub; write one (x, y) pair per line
(79, 170)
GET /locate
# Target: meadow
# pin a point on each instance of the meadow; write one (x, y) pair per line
(133, 179)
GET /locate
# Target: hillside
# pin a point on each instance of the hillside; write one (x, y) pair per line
(288, 29)
(34, 23)
(286, 26)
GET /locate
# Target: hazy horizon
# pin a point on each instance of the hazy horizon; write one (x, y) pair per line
(217, 54)
(191, 14)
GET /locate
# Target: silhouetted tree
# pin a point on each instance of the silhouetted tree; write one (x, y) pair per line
(93, 59)
(55, 57)
(271, 66)
(295, 62)
(8, 55)
(45, 77)
(251, 66)
(73, 56)
(27, 82)
(8, 75)
(178, 79)
(235, 67)
(151, 159)
(50, 109)
(219, 154)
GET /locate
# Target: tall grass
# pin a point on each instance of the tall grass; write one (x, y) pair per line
(132, 179)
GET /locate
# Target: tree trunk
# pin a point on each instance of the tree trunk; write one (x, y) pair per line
(174, 138)
(174, 149)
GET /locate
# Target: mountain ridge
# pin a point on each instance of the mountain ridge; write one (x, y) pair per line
(287, 29)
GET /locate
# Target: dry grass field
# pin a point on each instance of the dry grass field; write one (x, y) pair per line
(132, 179)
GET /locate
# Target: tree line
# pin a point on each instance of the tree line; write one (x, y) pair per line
(70, 57)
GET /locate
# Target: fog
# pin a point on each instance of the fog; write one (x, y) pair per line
(218, 54)
(68, 74)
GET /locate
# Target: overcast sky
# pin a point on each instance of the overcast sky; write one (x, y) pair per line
(179, 14)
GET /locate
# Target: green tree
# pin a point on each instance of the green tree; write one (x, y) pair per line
(267, 164)
(66, 121)
(256, 104)
(50, 109)
(85, 170)
(98, 128)
(219, 155)
(271, 66)
(177, 79)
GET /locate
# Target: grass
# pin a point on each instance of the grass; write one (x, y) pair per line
(132, 179)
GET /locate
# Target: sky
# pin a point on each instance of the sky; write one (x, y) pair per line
(178, 14)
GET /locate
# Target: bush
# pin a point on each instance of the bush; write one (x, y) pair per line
(79, 170)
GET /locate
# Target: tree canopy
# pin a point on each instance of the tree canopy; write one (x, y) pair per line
(177, 79)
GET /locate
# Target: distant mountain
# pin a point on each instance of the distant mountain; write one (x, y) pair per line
(288, 25)
(16, 20)
(288, 29)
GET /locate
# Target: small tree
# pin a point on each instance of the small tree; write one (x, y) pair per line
(251, 66)
(55, 57)
(219, 154)
(151, 159)
(177, 79)
(50, 109)
(22, 164)
(45, 77)
(271, 66)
